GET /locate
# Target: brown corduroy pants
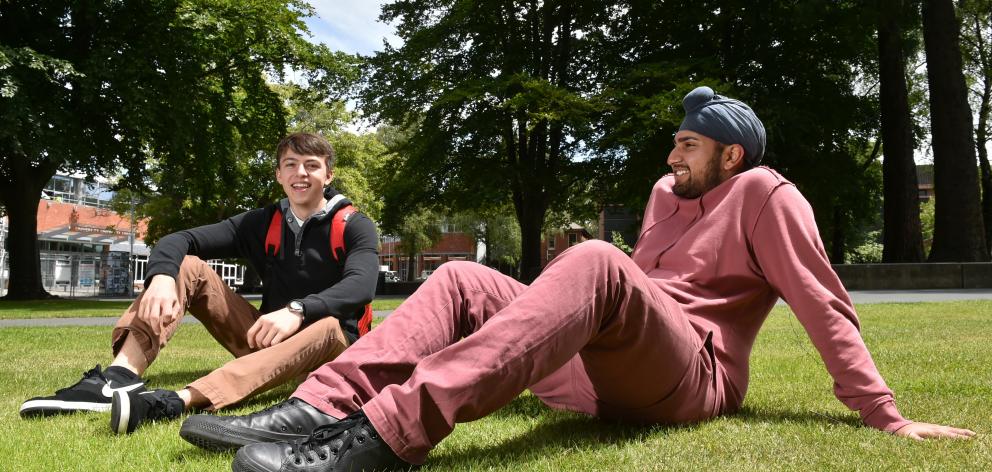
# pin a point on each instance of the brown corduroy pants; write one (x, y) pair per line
(227, 317)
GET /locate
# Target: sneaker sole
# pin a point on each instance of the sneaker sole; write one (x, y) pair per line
(220, 437)
(120, 413)
(59, 407)
(54, 406)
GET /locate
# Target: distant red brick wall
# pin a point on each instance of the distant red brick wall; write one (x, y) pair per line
(453, 246)
(452, 243)
(561, 243)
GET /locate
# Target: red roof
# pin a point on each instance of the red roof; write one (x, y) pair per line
(59, 217)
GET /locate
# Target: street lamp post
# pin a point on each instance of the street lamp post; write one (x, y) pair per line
(130, 254)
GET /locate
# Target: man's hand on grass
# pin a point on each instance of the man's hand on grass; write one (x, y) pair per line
(273, 328)
(159, 303)
(921, 431)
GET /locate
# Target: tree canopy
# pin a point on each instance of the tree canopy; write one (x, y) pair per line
(500, 98)
(97, 87)
(553, 105)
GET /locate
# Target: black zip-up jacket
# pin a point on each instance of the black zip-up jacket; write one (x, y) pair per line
(304, 268)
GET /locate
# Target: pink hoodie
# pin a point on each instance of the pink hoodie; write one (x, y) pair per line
(728, 256)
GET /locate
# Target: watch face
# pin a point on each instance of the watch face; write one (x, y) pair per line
(295, 306)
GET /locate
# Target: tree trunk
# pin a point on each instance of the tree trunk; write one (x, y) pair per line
(21, 198)
(981, 132)
(530, 215)
(902, 236)
(411, 264)
(959, 234)
(983, 162)
(838, 240)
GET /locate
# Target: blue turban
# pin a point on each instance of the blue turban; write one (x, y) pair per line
(726, 120)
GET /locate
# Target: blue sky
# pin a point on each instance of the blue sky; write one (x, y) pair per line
(351, 26)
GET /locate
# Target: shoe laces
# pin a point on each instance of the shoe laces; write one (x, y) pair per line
(338, 437)
(160, 406)
(89, 374)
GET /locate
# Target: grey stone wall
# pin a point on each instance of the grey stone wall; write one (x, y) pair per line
(944, 275)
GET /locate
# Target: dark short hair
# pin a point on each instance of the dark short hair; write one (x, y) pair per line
(306, 144)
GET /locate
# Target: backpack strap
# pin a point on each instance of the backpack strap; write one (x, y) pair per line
(338, 224)
(273, 237)
(365, 323)
(337, 231)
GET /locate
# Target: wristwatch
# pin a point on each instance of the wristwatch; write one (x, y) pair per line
(296, 308)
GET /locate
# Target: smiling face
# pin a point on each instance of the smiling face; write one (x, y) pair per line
(303, 178)
(701, 163)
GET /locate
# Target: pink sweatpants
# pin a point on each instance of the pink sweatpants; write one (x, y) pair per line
(592, 334)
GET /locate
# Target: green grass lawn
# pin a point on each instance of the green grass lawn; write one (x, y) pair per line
(935, 356)
(70, 308)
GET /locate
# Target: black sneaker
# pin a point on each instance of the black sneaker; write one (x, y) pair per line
(351, 444)
(92, 393)
(130, 409)
(285, 421)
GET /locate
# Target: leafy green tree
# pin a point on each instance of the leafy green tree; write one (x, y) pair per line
(621, 244)
(959, 233)
(550, 102)
(497, 229)
(797, 64)
(96, 87)
(360, 157)
(417, 231)
(927, 222)
(499, 98)
(868, 252)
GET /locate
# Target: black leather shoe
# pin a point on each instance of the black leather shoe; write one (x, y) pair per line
(351, 444)
(291, 419)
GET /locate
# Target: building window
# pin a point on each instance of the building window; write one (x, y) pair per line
(551, 244)
(573, 239)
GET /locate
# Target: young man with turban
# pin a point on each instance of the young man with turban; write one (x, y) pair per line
(663, 336)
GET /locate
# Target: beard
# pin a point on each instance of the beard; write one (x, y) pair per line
(709, 177)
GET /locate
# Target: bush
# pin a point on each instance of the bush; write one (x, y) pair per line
(869, 252)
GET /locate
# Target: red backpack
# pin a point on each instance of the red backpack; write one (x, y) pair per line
(273, 239)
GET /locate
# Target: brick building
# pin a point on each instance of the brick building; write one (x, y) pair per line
(554, 245)
(453, 246)
(86, 248)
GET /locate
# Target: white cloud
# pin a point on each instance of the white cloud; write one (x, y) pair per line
(350, 26)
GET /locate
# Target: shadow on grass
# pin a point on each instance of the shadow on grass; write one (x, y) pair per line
(195, 455)
(558, 432)
(552, 436)
(765, 415)
(62, 304)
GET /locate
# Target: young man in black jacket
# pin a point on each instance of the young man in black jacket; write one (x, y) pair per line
(314, 299)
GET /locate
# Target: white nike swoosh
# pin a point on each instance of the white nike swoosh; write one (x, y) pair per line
(109, 392)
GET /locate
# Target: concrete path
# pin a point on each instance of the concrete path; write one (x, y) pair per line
(859, 297)
(890, 296)
(104, 321)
